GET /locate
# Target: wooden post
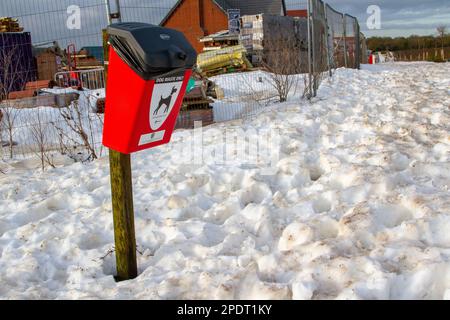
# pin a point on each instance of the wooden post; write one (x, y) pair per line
(123, 214)
(105, 52)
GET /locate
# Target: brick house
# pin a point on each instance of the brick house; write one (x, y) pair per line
(199, 18)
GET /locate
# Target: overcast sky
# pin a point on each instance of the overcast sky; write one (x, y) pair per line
(46, 19)
(399, 17)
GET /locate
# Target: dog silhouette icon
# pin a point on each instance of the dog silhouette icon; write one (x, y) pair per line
(165, 102)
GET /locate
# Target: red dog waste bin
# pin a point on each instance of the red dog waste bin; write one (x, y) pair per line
(149, 68)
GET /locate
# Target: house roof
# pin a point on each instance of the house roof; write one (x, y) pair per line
(247, 7)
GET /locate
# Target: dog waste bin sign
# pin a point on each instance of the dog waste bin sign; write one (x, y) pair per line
(148, 74)
(164, 96)
(149, 70)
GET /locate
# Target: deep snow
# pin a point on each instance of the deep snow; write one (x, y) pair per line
(358, 207)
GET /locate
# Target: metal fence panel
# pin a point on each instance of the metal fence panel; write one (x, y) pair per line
(336, 37)
(281, 52)
(352, 41)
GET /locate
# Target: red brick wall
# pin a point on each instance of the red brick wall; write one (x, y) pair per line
(297, 13)
(215, 19)
(186, 18)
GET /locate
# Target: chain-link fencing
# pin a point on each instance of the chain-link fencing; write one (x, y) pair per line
(52, 62)
(335, 42)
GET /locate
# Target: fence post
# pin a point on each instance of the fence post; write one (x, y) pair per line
(108, 11)
(357, 45)
(308, 6)
(314, 51)
(119, 13)
(345, 41)
(110, 15)
(327, 40)
(122, 203)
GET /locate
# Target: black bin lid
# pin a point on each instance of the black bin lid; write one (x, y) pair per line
(152, 51)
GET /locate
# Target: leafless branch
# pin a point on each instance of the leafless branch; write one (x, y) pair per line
(73, 124)
(40, 139)
(14, 74)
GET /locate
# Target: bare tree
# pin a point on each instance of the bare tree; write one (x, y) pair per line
(284, 62)
(40, 139)
(74, 130)
(13, 74)
(442, 30)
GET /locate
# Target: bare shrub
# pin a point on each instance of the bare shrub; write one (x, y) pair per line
(39, 134)
(76, 129)
(284, 62)
(10, 115)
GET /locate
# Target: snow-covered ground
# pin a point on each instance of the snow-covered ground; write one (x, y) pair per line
(358, 207)
(246, 94)
(52, 122)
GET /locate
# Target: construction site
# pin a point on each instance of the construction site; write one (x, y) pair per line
(263, 44)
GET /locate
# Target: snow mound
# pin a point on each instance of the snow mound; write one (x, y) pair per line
(357, 208)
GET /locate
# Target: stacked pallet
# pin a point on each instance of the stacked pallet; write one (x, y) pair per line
(226, 60)
(219, 40)
(252, 33)
(8, 24)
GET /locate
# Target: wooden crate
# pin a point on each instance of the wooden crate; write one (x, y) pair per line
(47, 65)
(36, 85)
